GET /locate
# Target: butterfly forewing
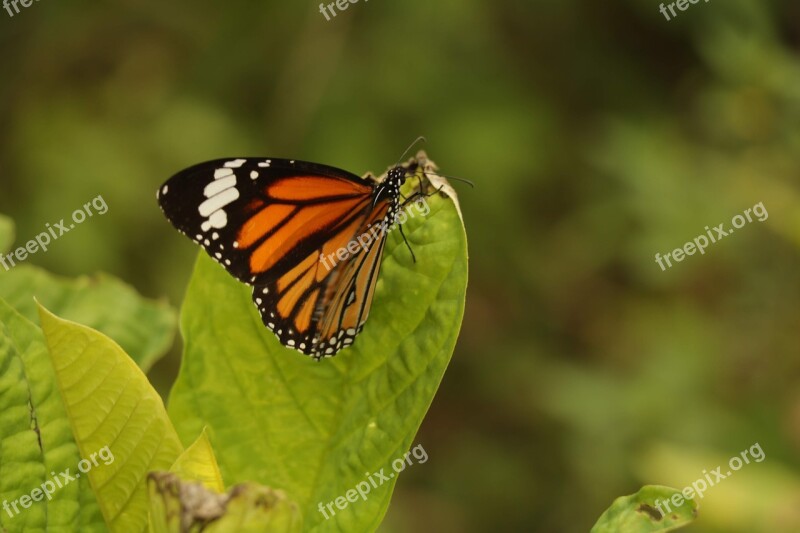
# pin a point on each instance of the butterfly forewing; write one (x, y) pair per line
(231, 207)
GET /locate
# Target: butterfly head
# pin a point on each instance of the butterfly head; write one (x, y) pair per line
(394, 179)
(389, 188)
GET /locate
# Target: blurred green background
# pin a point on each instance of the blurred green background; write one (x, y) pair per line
(598, 134)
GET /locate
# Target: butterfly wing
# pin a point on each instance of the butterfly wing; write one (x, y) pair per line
(270, 223)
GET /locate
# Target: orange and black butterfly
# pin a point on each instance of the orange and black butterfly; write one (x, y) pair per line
(277, 225)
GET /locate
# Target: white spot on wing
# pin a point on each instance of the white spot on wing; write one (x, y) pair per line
(218, 219)
(217, 186)
(236, 163)
(217, 202)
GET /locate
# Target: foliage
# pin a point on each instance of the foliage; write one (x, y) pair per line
(38, 442)
(267, 414)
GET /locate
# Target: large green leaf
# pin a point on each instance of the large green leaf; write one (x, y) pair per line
(650, 510)
(30, 372)
(312, 428)
(113, 412)
(143, 328)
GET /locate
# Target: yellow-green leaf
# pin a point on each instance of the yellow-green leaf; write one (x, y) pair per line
(114, 413)
(198, 463)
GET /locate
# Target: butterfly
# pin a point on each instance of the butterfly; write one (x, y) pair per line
(281, 225)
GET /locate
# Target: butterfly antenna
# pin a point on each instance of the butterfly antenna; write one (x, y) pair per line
(463, 180)
(418, 139)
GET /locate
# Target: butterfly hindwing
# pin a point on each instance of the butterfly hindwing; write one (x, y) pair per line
(350, 289)
(320, 305)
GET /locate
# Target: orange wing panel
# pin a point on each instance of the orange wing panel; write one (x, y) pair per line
(262, 223)
(308, 221)
(304, 188)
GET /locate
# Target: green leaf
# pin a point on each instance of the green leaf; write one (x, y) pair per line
(639, 513)
(71, 506)
(198, 463)
(312, 428)
(114, 414)
(6, 233)
(145, 329)
(176, 507)
(20, 454)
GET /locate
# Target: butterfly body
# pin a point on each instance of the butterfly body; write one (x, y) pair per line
(280, 226)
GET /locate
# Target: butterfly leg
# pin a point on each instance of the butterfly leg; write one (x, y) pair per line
(406, 201)
(413, 257)
(420, 194)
